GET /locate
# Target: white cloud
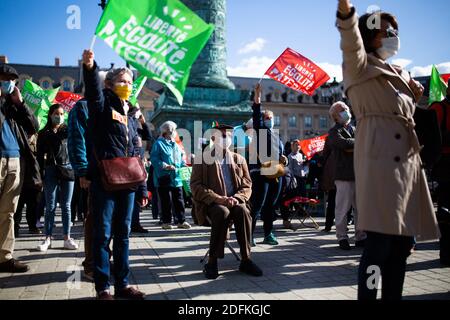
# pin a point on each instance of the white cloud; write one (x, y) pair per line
(402, 62)
(419, 71)
(333, 70)
(253, 67)
(254, 46)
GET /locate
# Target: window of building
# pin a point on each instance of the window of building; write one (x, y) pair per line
(277, 121)
(308, 122)
(323, 122)
(292, 121)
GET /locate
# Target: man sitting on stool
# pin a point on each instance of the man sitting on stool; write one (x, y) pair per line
(221, 190)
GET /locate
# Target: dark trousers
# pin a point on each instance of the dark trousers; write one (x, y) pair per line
(331, 205)
(301, 186)
(169, 197)
(88, 262)
(79, 204)
(135, 219)
(443, 216)
(155, 204)
(265, 193)
(112, 218)
(221, 217)
(31, 198)
(388, 254)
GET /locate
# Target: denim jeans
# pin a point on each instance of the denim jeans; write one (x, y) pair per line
(388, 254)
(111, 209)
(265, 193)
(51, 184)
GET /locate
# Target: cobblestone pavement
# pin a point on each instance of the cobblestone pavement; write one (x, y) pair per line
(306, 265)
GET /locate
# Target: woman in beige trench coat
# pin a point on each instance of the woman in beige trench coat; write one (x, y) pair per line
(393, 198)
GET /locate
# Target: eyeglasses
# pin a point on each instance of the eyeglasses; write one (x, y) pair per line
(390, 33)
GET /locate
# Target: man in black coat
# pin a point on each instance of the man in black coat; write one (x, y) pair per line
(342, 141)
(17, 122)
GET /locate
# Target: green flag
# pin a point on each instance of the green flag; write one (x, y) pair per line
(39, 100)
(438, 88)
(160, 38)
(137, 88)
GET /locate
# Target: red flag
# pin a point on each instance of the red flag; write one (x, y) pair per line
(445, 77)
(297, 72)
(312, 146)
(67, 100)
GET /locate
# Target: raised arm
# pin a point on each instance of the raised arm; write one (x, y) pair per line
(352, 45)
(256, 115)
(92, 84)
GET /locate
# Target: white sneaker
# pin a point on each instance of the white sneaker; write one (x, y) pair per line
(43, 247)
(184, 225)
(166, 226)
(70, 244)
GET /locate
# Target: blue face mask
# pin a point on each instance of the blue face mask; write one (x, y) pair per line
(7, 87)
(345, 117)
(269, 123)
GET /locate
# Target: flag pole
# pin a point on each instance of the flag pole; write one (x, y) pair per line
(93, 42)
(261, 79)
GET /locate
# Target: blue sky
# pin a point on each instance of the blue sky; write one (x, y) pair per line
(258, 31)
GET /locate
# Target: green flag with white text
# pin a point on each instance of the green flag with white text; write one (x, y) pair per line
(138, 84)
(160, 38)
(39, 100)
(438, 88)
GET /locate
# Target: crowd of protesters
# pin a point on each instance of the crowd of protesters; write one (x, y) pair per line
(370, 171)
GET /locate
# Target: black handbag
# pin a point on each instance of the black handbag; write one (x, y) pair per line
(62, 171)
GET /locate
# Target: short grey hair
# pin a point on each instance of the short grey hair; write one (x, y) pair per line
(333, 110)
(167, 127)
(114, 73)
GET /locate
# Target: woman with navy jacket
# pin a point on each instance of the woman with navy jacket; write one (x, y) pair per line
(113, 130)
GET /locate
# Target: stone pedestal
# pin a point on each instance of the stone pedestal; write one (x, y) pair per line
(210, 95)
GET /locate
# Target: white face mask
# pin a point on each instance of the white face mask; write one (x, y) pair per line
(389, 47)
(57, 120)
(345, 117)
(7, 87)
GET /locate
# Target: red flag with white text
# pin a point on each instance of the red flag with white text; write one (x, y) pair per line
(312, 146)
(67, 100)
(297, 72)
